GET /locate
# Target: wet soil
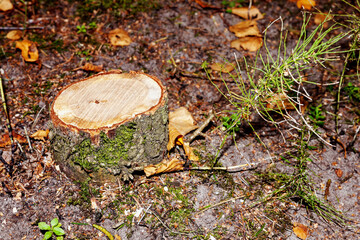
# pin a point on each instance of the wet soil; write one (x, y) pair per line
(170, 42)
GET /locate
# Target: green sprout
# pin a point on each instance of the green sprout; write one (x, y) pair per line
(55, 228)
(81, 29)
(316, 115)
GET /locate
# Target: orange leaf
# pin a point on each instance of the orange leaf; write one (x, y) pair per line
(189, 152)
(338, 172)
(306, 4)
(163, 167)
(5, 139)
(222, 67)
(92, 68)
(244, 12)
(279, 101)
(119, 37)
(251, 44)
(6, 5)
(28, 50)
(205, 5)
(245, 28)
(14, 35)
(180, 123)
(40, 134)
(322, 18)
(301, 230)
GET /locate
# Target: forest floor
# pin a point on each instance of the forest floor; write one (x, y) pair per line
(295, 184)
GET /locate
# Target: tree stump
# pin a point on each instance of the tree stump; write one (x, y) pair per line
(109, 125)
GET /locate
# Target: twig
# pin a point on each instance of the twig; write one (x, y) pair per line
(229, 169)
(28, 139)
(220, 203)
(19, 28)
(199, 130)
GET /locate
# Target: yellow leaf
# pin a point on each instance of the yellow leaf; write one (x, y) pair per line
(119, 37)
(245, 28)
(222, 67)
(322, 18)
(163, 167)
(244, 12)
(251, 44)
(6, 5)
(28, 50)
(40, 134)
(306, 4)
(180, 123)
(301, 231)
(279, 101)
(14, 35)
(189, 152)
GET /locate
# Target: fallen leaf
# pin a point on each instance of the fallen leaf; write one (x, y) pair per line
(322, 18)
(5, 139)
(40, 134)
(301, 230)
(246, 13)
(180, 123)
(28, 50)
(90, 67)
(306, 4)
(251, 44)
(189, 152)
(119, 37)
(205, 5)
(279, 101)
(338, 172)
(6, 5)
(222, 67)
(163, 167)
(245, 28)
(14, 35)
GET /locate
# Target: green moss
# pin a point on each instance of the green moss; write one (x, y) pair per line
(110, 151)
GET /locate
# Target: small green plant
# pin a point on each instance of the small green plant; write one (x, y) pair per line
(53, 229)
(231, 122)
(353, 92)
(316, 115)
(81, 28)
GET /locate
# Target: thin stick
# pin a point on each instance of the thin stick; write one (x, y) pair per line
(220, 203)
(199, 130)
(18, 28)
(229, 169)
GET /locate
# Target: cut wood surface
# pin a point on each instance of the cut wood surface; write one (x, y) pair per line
(109, 124)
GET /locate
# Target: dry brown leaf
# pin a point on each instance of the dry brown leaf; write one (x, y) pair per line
(244, 12)
(40, 134)
(245, 28)
(180, 123)
(5, 139)
(92, 68)
(190, 152)
(163, 167)
(222, 67)
(251, 44)
(279, 101)
(322, 18)
(306, 4)
(14, 35)
(6, 5)
(119, 37)
(28, 50)
(338, 172)
(205, 5)
(301, 230)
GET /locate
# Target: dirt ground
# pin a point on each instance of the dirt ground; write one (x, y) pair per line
(171, 42)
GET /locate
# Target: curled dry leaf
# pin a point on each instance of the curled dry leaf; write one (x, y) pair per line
(338, 172)
(251, 44)
(90, 67)
(279, 101)
(222, 67)
(14, 35)
(190, 152)
(6, 5)
(246, 13)
(28, 50)
(6, 141)
(301, 230)
(306, 4)
(119, 37)
(40, 134)
(245, 28)
(180, 123)
(163, 167)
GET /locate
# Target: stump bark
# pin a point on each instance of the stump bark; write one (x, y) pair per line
(109, 125)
